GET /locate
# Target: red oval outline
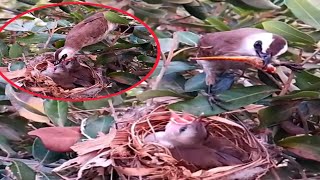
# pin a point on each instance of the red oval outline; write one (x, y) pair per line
(86, 99)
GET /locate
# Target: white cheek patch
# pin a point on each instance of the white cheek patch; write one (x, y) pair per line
(68, 51)
(247, 46)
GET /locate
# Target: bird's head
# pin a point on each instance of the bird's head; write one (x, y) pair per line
(265, 45)
(64, 53)
(185, 129)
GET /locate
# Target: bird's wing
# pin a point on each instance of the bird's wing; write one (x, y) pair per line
(224, 43)
(216, 44)
(87, 32)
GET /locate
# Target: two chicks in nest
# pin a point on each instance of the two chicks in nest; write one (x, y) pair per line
(188, 140)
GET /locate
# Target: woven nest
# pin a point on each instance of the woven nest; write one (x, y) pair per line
(158, 163)
(124, 150)
(73, 80)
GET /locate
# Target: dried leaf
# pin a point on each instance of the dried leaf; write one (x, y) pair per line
(58, 139)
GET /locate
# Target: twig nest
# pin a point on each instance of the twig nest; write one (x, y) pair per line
(125, 151)
(154, 161)
(69, 79)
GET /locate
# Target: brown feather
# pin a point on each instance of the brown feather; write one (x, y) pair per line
(214, 44)
(87, 32)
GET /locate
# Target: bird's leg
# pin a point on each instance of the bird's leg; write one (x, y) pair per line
(224, 83)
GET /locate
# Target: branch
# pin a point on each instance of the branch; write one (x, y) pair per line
(166, 62)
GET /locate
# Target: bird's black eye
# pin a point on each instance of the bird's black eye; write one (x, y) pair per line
(258, 44)
(64, 56)
(182, 129)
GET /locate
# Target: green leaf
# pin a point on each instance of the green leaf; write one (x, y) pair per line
(96, 104)
(196, 9)
(15, 51)
(218, 24)
(179, 1)
(5, 147)
(143, 12)
(197, 106)
(195, 83)
(4, 49)
(96, 124)
(166, 44)
(304, 146)
(298, 95)
(231, 99)
(146, 59)
(261, 4)
(101, 103)
(20, 99)
(174, 66)
(173, 81)
(57, 111)
(21, 171)
(124, 78)
(273, 115)
(17, 65)
(142, 32)
(159, 93)
(42, 154)
(307, 11)
(40, 38)
(153, 1)
(304, 79)
(115, 18)
(19, 25)
(188, 38)
(290, 33)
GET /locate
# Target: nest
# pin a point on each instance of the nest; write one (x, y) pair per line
(124, 150)
(72, 79)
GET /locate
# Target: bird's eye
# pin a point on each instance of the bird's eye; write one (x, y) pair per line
(182, 129)
(258, 44)
(64, 56)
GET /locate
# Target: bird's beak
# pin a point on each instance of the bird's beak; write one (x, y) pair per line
(266, 57)
(58, 61)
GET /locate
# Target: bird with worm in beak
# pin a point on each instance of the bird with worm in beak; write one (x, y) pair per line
(250, 42)
(89, 31)
(188, 139)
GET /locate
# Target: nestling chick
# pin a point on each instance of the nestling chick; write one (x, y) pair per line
(186, 137)
(60, 75)
(180, 131)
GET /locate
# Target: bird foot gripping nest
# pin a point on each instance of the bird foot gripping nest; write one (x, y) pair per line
(231, 153)
(70, 79)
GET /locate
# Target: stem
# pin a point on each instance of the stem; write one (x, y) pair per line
(310, 57)
(166, 62)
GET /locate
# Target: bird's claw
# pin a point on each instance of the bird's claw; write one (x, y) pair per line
(215, 101)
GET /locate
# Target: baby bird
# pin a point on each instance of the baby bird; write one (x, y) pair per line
(188, 139)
